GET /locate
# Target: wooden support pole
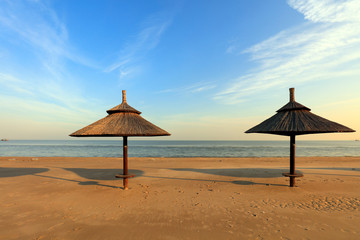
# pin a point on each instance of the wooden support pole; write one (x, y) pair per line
(292, 94)
(292, 161)
(125, 163)
(124, 96)
(125, 176)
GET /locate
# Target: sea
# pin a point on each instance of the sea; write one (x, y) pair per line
(172, 148)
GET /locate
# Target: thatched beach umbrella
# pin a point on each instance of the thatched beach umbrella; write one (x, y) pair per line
(125, 121)
(295, 119)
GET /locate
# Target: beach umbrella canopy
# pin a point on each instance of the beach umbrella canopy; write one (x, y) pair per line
(122, 120)
(296, 119)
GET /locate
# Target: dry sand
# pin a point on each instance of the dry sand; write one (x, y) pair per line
(178, 198)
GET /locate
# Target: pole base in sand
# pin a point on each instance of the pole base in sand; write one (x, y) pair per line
(125, 176)
(125, 179)
(292, 177)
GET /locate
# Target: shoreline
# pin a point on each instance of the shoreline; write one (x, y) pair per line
(179, 198)
(183, 158)
(178, 149)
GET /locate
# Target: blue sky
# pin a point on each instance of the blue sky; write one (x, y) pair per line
(202, 70)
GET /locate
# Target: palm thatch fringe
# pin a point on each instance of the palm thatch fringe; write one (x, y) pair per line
(120, 124)
(297, 122)
(123, 120)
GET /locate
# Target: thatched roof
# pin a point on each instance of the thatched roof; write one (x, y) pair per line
(296, 119)
(123, 120)
(123, 107)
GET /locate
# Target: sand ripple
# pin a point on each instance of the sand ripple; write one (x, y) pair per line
(318, 203)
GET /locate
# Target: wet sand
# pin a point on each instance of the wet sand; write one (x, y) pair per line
(179, 198)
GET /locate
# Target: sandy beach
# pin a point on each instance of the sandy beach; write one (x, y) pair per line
(179, 198)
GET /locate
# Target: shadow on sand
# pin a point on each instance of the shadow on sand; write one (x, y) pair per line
(353, 170)
(340, 169)
(238, 172)
(16, 172)
(84, 183)
(245, 183)
(93, 174)
(109, 174)
(101, 174)
(233, 172)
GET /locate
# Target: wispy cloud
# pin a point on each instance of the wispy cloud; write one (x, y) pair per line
(8, 82)
(34, 30)
(43, 111)
(145, 40)
(39, 26)
(325, 47)
(193, 88)
(328, 10)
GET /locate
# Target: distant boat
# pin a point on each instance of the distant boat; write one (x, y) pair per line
(4, 139)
